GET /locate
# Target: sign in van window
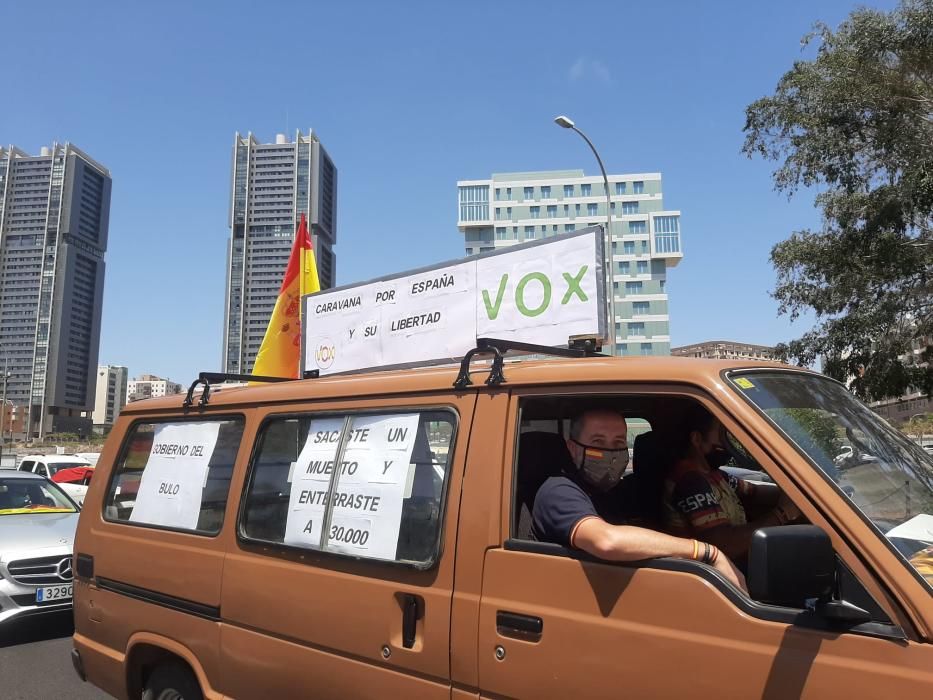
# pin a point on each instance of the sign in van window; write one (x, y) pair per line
(363, 485)
(175, 475)
(366, 505)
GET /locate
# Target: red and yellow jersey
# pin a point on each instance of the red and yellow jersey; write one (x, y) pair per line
(697, 498)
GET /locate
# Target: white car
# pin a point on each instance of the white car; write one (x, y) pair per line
(37, 527)
(49, 465)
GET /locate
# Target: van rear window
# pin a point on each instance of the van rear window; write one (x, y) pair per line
(364, 485)
(175, 475)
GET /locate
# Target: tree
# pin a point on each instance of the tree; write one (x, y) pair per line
(856, 123)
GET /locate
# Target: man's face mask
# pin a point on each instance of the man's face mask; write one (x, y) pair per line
(602, 468)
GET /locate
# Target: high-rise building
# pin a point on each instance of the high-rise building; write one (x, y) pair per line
(54, 220)
(149, 386)
(110, 397)
(725, 350)
(272, 185)
(513, 208)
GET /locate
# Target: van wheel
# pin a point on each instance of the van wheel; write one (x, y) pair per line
(172, 681)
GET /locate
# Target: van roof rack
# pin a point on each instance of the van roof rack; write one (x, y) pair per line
(577, 346)
(206, 378)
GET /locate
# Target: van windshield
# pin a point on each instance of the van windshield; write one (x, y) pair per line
(882, 473)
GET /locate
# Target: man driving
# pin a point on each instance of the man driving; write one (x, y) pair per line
(582, 508)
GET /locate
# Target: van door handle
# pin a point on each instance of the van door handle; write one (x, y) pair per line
(525, 627)
(411, 610)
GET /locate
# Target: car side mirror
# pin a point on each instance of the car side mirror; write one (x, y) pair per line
(791, 565)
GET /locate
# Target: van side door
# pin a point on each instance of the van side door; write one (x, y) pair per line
(557, 623)
(340, 580)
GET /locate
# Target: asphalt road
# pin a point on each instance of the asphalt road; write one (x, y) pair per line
(35, 662)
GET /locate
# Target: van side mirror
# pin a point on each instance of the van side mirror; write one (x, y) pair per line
(790, 565)
(795, 566)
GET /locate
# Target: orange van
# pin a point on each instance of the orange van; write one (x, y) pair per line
(368, 536)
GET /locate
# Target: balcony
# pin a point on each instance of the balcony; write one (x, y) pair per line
(667, 245)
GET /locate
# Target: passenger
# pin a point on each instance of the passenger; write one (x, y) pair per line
(700, 500)
(582, 508)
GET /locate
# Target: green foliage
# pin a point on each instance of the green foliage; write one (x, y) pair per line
(856, 122)
(813, 429)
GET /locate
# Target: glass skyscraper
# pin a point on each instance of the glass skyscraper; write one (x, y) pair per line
(271, 186)
(54, 220)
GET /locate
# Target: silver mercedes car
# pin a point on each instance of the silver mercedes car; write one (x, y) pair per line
(37, 530)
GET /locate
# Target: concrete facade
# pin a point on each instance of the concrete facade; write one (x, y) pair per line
(110, 396)
(511, 208)
(149, 386)
(725, 350)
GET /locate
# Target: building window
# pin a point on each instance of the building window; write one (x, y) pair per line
(642, 267)
(515, 232)
(508, 193)
(629, 207)
(640, 308)
(625, 268)
(568, 190)
(529, 192)
(637, 328)
(620, 188)
(500, 233)
(591, 209)
(569, 227)
(663, 284)
(576, 209)
(545, 192)
(508, 213)
(646, 348)
(628, 248)
(498, 194)
(666, 224)
(586, 190)
(529, 233)
(552, 211)
(636, 227)
(566, 210)
(638, 187)
(474, 203)
(535, 212)
(633, 287)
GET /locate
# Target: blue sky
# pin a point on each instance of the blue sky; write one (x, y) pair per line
(407, 98)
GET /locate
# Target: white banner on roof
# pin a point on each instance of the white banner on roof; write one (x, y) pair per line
(541, 292)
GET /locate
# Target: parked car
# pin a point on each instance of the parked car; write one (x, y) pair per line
(61, 469)
(37, 528)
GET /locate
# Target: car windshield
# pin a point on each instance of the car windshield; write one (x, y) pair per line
(58, 466)
(18, 496)
(883, 474)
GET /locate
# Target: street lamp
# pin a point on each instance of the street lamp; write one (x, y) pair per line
(6, 378)
(567, 123)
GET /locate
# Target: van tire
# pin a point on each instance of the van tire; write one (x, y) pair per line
(172, 681)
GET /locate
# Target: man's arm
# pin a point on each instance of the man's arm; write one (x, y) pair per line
(595, 536)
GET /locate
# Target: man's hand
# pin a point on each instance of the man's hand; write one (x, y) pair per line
(791, 512)
(725, 566)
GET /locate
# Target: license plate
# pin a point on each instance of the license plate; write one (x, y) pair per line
(52, 593)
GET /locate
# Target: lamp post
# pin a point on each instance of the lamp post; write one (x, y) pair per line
(6, 378)
(567, 123)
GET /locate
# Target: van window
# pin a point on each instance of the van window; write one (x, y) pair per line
(384, 501)
(175, 475)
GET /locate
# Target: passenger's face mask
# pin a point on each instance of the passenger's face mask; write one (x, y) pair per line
(602, 468)
(717, 457)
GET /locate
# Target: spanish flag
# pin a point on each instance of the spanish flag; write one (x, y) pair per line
(280, 352)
